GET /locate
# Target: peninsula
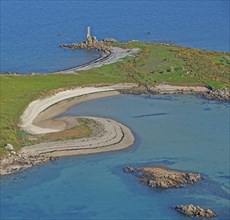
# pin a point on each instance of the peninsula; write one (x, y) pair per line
(148, 68)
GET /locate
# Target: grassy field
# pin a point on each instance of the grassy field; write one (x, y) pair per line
(154, 64)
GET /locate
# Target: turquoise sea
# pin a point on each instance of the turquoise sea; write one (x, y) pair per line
(180, 132)
(32, 30)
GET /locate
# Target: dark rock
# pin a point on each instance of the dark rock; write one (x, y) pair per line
(129, 169)
(195, 211)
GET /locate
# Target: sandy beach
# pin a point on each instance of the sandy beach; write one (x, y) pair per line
(39, 113)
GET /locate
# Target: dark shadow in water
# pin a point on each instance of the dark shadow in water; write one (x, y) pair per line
(150, 115)
(225, 177)
(161, 97)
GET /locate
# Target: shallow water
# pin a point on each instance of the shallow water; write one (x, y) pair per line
(179, 132)
(31, 31)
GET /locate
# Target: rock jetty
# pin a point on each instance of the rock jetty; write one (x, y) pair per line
(195, 211)
(163, 178)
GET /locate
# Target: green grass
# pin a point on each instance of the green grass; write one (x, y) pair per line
(155, 63)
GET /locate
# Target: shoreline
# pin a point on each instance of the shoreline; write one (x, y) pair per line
(112, 135)
(109, 135)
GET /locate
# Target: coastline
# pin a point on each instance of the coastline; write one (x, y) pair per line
(108, 135)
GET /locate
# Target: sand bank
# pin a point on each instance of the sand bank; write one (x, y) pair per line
(38, 114)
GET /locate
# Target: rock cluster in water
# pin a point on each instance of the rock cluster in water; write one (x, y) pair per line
(195, 211)
(163, 178)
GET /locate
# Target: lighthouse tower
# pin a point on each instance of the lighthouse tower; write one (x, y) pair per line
(88, 33)
(90, 39)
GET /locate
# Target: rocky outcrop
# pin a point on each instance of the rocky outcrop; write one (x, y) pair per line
(109, 40)
(16, 162)
(220, 94)
(164, 178)
(195, 211)
(98, 46)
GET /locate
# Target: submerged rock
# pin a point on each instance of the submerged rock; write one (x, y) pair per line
(195, 211)
(129, 169)
(164, 178)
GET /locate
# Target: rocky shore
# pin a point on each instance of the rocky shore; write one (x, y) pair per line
(167, 89)
(163, 178)
(16, 162)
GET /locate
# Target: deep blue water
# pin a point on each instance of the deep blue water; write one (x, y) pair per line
(179, 132)
(31, 31)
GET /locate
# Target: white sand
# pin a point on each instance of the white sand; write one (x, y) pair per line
(38, 106)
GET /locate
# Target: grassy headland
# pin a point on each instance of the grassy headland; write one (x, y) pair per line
(155, 63)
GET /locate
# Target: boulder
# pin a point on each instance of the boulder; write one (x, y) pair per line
(9, 147)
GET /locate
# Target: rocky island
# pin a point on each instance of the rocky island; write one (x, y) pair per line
(92, 43)
(195, 211)
(163, 178)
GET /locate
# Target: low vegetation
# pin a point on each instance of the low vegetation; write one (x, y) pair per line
(154, 64)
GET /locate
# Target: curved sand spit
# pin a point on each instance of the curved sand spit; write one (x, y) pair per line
(114, 136)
